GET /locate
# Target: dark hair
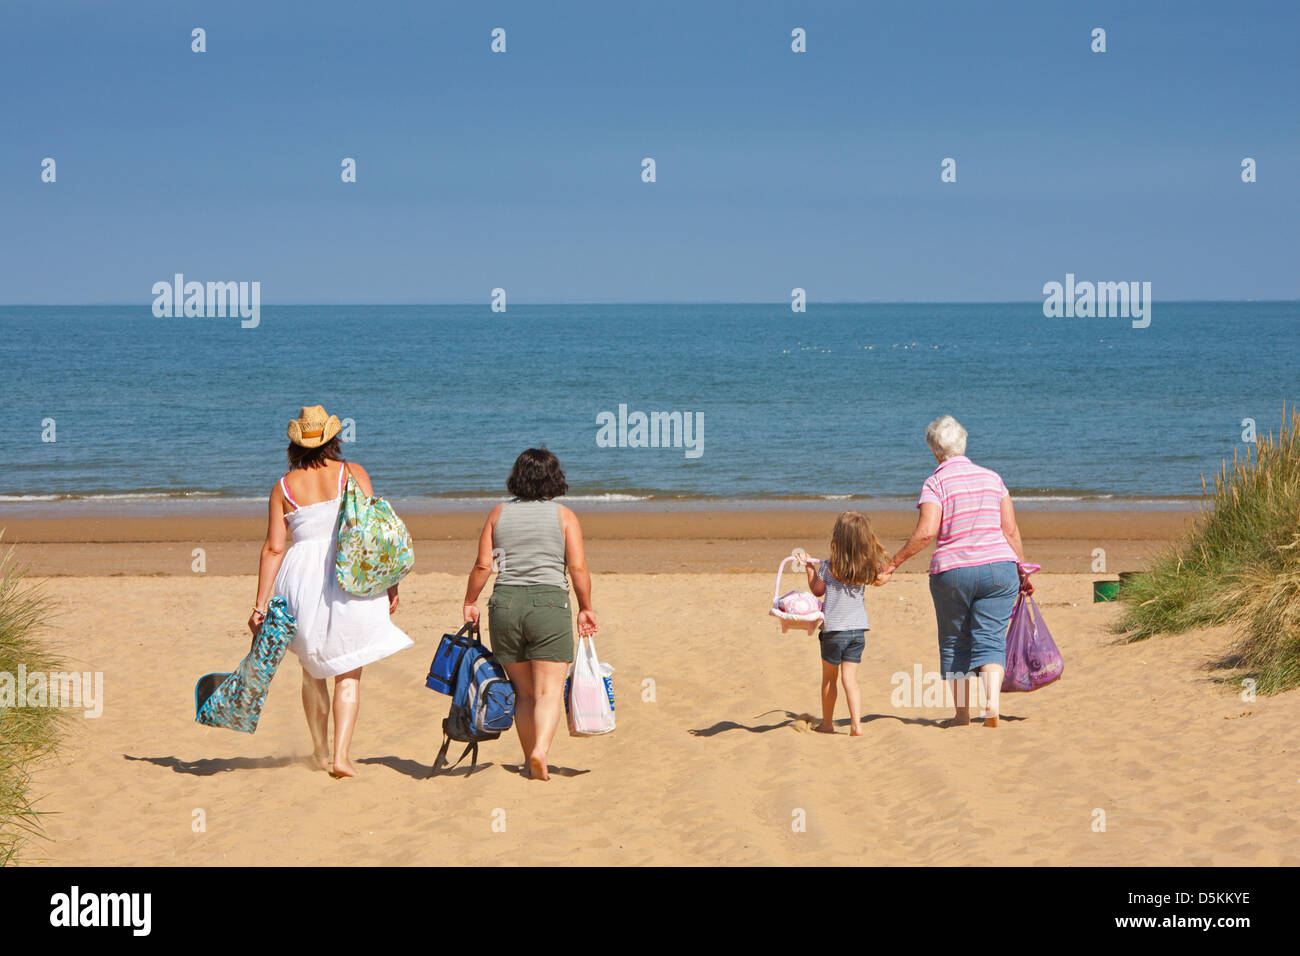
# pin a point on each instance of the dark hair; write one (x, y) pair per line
(300, 457)
(537, 476)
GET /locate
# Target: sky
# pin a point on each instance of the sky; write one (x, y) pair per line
(523, 170)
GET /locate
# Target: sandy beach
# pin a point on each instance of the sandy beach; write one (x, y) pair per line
(713, 761)
(618, 542)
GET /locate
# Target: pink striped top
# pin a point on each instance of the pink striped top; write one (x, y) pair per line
(970, 529)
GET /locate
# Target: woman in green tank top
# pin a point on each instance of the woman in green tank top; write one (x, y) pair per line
(535, 546)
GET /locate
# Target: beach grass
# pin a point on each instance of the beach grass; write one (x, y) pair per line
(1239, 565)
(26, 733)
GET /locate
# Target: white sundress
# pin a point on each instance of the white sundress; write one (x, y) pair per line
(337, 631)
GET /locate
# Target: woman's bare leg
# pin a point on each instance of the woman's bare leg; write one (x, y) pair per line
(961, 688)
(830, 673)
(347, 701)
(316, 705)
(521, 679)
(853, 694)
(548, 703)
(991, 675)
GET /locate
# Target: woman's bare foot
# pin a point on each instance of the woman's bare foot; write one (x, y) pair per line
(322, 761)
(825, 728)
(855, 730)
(343, 768)
(537, 767)
(962, 720)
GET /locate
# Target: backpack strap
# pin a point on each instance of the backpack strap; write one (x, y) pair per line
(441, 760)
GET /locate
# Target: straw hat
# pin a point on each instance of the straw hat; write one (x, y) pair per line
(313, 427)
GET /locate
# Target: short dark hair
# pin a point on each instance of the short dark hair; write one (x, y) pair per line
(300, 457)
(537, 476)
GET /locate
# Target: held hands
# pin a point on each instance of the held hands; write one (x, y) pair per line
(586, 623)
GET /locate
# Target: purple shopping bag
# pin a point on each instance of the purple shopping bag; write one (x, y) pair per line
(1032, 657)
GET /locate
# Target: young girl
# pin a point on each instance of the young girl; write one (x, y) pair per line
(857, 559)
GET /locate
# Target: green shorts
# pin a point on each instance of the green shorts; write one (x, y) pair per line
(530, 622)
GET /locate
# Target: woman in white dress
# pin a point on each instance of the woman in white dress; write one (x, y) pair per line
(337, 633)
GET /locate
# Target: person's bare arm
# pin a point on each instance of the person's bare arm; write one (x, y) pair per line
(362, 477)
(482, 570)
(815, 584)
(575, 556)
(927, 527)
(1011, 531)
(272, 554)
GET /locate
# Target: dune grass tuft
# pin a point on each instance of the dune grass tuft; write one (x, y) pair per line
(1239, 565)
(26, 733)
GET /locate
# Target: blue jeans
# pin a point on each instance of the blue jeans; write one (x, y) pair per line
(972, 607)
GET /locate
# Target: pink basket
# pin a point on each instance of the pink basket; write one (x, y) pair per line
(796, 610)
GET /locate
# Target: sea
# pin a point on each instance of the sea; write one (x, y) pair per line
(112, 408)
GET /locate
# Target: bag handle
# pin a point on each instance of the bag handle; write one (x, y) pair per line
(776, 592)
(799, 556)
(468, 630)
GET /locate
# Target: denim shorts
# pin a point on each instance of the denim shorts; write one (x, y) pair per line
(972, 607)
(843, 647)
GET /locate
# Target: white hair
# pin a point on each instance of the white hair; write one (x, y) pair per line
(946, 437)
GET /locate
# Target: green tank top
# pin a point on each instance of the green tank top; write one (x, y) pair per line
(530, 544)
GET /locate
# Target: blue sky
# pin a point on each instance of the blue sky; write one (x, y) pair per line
(522, 170)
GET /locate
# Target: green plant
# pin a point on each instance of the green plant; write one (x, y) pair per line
(26, 733)
(1240, 564)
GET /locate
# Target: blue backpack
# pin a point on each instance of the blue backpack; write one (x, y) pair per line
(482, 698)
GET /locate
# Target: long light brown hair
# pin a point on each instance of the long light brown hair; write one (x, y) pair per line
(856, 556)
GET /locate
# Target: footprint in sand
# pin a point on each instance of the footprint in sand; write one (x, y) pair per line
(806, 724)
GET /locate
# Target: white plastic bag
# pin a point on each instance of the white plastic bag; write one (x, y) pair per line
(589, 692)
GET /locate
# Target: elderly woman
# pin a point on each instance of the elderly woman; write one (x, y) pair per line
(975, 570)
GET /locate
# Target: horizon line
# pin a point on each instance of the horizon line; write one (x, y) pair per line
(779, 302)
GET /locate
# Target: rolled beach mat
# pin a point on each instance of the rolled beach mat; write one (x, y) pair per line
(1105, 591)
